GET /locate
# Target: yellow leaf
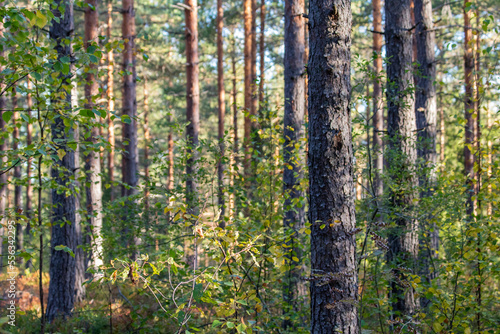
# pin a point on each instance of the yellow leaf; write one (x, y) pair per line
(296, 259)
(61, 153)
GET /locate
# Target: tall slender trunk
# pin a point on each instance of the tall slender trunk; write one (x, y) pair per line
(262, 51)
(222, 110)
(426, 117)
(378, 107)
(3, 161)
(129, 128)
(234, 153)
(293, 131)
(192, 103)
(442, 132)
(254, 58)
(111, 103)
(247, 17)
(403, 238)
(147, 141)
(93, 159)
(470, 123)
(489, 124)
(334, 291)
(18, 206)
(29, 187)
(170, 181)
(62, 264)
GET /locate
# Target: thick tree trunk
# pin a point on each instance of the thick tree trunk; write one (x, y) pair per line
(403, 238)
(111, 104)
(92, 160)
(192, 102)
(470, 124)
(129, 129)
(426, 116)
(62, 264)
(331, 213)
(247, 16)
(18, 206)
(294, 216)
(378, 104)
(222, 110)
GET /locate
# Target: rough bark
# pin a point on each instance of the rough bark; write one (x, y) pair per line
(331, 208)
(426, 117)
(111, 104)
(62, 264)
(403, 237)
(378, 107)
(192, 102)
(129, 128)
(93, 159)
(470, 123)
(293, 131)
(221, 111)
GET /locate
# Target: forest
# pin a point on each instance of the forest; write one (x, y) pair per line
(250, 166)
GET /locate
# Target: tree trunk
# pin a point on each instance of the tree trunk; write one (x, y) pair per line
(334, 289)
(470, 124)
(378, 104)
(147, 141)
(254, 58)
(3, 161)
(403, 238)
(234, 153)
(62, 264)
(426, 116)
(129, 128)
(92, 160)
(489, 211)
(293, 130)
(111, 104)
(222, 110)
(17, 177)
(262, 50)
(29, 186)
(247, 15)
(192, 103)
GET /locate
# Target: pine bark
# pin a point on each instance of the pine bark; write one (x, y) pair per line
(403, 237)
(262, 51)
(426, 117)
(93, 159)
(378, 107)
(221, 111)
(247, 17)
(294, 216)
(331, 210)
(62, 264)
(111, 104)
(192, 102)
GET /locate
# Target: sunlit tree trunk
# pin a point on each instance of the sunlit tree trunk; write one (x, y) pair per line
(254, 58)
(247, 17)
(111, 103)
(426, 117)
(401, 126)
(92, 160)
(293, 131)
(490, 161)
(3, 162)
(334, 292)
(222, 110)
(262, 51)
(147, 141)
(62, 263)
(378, 107)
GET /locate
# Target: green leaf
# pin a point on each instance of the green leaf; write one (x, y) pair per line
(7, 115)
(216, 323)
(65, 249)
